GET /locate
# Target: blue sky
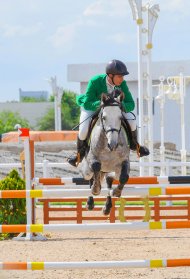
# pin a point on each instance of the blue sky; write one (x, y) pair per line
(39, 38)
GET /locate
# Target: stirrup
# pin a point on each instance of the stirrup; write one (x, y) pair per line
(143, 151)
(73, 160)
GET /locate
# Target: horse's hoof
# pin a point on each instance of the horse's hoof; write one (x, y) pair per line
(106, 210)
(96, 189)
(89, 206)
(116, 193)
(95, 193)
(90, 203)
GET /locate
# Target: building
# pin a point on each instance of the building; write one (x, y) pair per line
(30, 111)
(40, 95)
(83, 72)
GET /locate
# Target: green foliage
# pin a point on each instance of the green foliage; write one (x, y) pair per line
(12, 211)
(9, 119)
(51, 98)
(33, 100)
(47, 122)
(70, 110)
(70, 113)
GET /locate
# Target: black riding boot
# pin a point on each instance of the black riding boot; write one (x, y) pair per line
(74, 160)
(135, 146)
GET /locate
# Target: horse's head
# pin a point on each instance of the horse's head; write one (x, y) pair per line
(110, 116)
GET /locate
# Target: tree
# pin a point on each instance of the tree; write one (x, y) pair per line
(32, 99)
(9, 119)
(69, 113)
(47, 122)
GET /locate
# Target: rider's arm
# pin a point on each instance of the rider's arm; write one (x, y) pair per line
(91, 100)
(128, 101)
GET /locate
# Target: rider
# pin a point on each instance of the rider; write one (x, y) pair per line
(90, 102)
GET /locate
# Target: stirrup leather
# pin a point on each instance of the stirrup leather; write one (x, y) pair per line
(78, 159)
(138, 150)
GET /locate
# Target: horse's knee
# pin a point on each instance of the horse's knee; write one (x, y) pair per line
(96, 166)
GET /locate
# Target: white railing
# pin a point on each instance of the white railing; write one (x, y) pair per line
(47, 165)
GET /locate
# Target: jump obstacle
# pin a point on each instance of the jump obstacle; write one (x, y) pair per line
(152, 191)
(41, 228)
(132, 180)
(76, 265)
(155, 263)
(143, 192)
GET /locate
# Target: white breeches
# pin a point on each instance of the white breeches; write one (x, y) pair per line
(83, 128)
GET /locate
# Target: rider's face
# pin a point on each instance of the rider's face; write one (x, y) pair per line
(117, 79)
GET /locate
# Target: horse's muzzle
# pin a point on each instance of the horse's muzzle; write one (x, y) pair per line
(112, 147)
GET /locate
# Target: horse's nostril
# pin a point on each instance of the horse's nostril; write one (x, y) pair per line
(110, 148)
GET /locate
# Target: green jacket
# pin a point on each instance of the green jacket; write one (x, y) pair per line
(96, 86)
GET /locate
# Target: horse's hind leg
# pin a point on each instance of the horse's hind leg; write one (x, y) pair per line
(123, 178)
(90, 203)
(90, 200)
(108, 205)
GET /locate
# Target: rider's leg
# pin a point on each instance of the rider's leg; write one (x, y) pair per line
(81, 140)
(134, 145)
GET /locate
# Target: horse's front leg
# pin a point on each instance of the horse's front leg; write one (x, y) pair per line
(96, 186)
(123, 178)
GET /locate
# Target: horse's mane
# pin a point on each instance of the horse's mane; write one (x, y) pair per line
(111, 98)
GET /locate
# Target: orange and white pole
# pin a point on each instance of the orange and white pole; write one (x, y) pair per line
(154, 263)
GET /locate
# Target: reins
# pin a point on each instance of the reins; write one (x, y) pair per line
(108, 103)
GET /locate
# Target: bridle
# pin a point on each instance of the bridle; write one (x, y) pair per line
(111, 102)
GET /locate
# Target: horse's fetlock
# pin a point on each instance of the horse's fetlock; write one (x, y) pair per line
(116, 192)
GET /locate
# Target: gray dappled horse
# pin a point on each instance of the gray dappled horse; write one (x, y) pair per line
(108, 151)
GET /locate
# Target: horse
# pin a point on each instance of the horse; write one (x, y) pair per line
(108, 155)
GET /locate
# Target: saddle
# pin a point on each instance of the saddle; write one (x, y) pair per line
(127, 128)
(93, 121)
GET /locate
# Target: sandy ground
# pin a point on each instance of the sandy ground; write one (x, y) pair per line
(100, 246)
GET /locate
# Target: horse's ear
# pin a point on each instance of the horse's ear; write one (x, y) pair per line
(121, 97)
(104, 97)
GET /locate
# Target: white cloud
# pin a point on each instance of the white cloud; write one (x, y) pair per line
(107, 8)
(68, 34)
(65, 35)
(179, 6)
(11, 31)
(94, 9)
(118, 38)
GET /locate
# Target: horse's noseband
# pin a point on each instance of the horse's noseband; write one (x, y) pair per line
(112, 130)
